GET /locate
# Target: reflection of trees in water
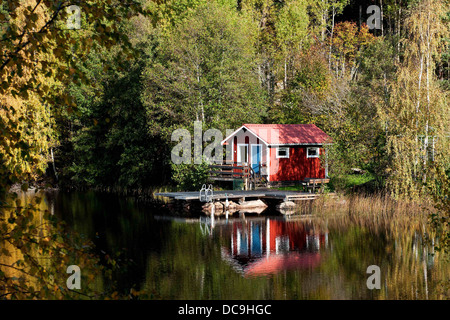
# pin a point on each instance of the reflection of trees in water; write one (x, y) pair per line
(209, 269)
(175, 260)
(36, 251)
(409, 266)
(119, 227)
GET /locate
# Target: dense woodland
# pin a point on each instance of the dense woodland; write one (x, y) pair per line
(94, 106)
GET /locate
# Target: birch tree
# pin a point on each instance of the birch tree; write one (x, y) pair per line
(417, 117)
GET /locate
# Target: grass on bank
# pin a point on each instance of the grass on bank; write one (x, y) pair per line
(366, 182)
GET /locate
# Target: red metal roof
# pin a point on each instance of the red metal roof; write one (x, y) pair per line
(289, 133)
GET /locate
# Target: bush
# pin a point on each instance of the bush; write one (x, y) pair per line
(190, 177)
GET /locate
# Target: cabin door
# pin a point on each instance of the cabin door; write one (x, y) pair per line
(256, 157)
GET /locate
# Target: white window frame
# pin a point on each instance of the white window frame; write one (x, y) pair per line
(278, 150)
(313, 156)
(239, 155)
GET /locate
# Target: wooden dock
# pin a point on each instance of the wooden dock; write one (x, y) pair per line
(242, 195)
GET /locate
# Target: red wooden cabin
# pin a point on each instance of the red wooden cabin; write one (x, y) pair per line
(279, 152)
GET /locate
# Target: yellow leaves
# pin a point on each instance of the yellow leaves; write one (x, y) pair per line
(31, 263)
(4, 252)
(21, 145)
(347, 43)
(34, 17)
(417, 102)
(25, 94)
(58, 51)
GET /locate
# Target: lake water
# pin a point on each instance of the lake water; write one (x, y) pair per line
(245, 256)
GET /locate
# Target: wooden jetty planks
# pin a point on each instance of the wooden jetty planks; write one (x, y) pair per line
(238, 194)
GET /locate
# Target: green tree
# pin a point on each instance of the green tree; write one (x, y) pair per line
(292, 31)
(108, 142)
(204, 69)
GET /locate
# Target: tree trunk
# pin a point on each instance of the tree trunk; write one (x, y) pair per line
(53, 162)
(324, 21)
(399, 30)
(200, 102)
(381, 22)
(425, 159)
(331, 38)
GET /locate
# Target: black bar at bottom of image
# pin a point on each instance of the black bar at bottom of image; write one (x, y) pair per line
(214, 309)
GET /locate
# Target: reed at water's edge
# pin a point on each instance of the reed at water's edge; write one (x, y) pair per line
(373, 204)
(378, 212)
(410, 238)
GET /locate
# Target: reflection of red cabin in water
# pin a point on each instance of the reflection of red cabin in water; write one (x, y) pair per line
(269, 246)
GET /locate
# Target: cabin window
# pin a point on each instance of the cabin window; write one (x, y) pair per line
(312, 152)
(282, 244)
(282, 152)
(242, 153)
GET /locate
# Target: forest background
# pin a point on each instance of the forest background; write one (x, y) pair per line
(91, 92)
(95, 106)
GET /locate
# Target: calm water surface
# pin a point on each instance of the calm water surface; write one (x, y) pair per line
(254, 256)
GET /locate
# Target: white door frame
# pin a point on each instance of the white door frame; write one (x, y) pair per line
(251, 151)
